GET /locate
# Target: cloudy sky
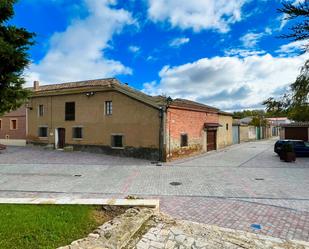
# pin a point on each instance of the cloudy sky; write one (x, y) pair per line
(223, 53)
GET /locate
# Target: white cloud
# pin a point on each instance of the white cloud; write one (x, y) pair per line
(134, 49)
(243, 52)
(251, 39)
(228, 82)
(197, 14)
(177, 42)
(292, 48)
(78, 52)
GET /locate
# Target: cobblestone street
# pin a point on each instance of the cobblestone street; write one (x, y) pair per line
(239, 187)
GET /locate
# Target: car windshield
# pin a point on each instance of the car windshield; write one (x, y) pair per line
(307, 144)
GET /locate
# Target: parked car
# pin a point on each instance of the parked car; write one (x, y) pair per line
(301, 148)
(2, 147)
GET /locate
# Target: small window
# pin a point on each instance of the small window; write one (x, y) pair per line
(0, 124)
(184, 140)
(77, 133)
(117, 141)
(13, 124)
(43, 132)
(70, 111)
(41, 110)
(108, 107)
(227, 126)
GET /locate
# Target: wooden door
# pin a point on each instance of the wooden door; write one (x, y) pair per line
(61, 138)
(211, 140)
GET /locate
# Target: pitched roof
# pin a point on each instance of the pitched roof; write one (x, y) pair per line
(296, 124)
(77, 84)
(113, 83)
(192, 104)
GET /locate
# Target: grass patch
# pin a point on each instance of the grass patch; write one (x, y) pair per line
(48, 226)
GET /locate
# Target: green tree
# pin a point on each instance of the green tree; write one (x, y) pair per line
(295, 103)
(14, 45)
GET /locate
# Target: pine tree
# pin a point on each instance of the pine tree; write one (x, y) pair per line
(14, 45)
(295, 103)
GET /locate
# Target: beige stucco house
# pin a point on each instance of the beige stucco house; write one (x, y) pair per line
(108, 116)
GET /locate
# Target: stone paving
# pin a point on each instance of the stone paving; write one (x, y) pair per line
(234, 188)
(140, 228)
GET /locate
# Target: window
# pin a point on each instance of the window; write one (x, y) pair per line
(108, 107)
(70, 111)
(184, 140)
(117, 141)
(0, 124)
(13, 124)
(41, 110)
(227, 127)
(43, 132)
(77, 133)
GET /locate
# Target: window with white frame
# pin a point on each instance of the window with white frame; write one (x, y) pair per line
(108, 107)
(41, 110)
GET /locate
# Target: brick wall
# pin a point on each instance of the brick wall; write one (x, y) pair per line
(182, 121)
(20, 132)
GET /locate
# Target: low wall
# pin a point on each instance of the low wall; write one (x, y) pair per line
(13, 142)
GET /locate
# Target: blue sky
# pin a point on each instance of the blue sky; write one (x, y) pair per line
(223, 53)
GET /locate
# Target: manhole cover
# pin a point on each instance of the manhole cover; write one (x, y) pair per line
(259, 179)
(175, 183)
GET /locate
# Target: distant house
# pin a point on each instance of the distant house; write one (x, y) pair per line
(13, 127)
(296, 130)
(108, 116)
(275, 123)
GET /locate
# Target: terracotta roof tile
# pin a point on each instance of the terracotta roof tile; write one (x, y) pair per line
(78, 84)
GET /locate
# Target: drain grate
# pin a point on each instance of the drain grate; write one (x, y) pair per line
(175, 183)
(78, 175)
(259, 179)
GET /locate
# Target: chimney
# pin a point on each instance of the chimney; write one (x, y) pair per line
(36, 85)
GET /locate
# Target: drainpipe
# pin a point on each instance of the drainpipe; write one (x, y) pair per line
(162, 135)
(161, 132)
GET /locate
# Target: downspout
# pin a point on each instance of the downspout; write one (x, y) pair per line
(161, 134)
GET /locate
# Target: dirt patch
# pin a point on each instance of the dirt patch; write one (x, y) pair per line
(103, 214)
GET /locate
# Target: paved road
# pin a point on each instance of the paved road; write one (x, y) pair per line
(236, 187)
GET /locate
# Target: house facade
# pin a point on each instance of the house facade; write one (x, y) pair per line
(13, 127)
(108, 116)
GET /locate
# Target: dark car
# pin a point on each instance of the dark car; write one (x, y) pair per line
(300, 147)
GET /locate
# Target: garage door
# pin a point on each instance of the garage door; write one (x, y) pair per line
(300, 133)
(211, 140)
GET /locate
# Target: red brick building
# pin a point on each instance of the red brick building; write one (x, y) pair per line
(13, 126)
(191, 128)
